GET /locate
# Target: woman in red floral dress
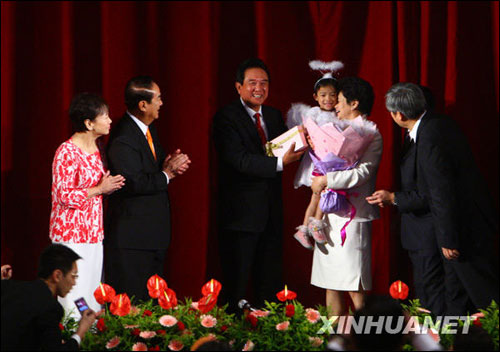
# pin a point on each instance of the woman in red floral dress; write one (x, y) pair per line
(78, 183)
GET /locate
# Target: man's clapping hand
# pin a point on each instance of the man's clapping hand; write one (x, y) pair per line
(176, 164)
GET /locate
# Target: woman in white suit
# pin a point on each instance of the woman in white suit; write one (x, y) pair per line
(338, 268)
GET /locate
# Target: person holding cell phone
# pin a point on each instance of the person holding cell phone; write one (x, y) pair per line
(30, 311)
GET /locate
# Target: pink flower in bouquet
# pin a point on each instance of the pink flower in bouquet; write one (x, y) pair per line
(168, 321)
(283, 326)
(249, 346)
(260, 313)
(115, 341)
(208, 321)
(126, 326)
(315, 341)
(175, 345)
(194, 305)
(312, 315)
(139, 346)
(147, 334)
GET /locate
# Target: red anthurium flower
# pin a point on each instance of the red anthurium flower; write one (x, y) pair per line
(213, 286)
(156, 285)
(120, 305)
(286, 294)
(399, 290)
(206, 303)
(167, 299)
(104, 293)
(290, 310)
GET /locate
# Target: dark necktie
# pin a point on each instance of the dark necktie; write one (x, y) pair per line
(260, 130)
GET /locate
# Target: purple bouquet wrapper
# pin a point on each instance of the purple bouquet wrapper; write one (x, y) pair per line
(332, 201)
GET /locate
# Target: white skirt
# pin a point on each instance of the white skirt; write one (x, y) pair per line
(344, 268)
(89, 277)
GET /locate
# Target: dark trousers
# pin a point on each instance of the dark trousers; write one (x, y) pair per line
(128, 270)
(252, 256)
(471, 281)
(428, 279)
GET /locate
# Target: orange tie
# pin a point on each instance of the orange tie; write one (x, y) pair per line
(150, 142)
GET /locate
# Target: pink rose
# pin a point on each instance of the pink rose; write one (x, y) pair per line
(147, 334)
(139, 346)
(175, 345)
(283, 326)
(208, 321)
(249, 346)
(315, 341)
(113, 342)
(312, 315)
(168, 321)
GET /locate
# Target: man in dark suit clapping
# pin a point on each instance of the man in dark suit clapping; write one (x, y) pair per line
(250, 205)
(138, 220)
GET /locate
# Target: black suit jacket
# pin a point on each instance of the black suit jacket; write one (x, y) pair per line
(249, 185)
(139, 213)
(417, 229)
(447, 179)
(31, 317)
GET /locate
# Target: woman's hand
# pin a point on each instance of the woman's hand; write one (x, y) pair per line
(109, 184)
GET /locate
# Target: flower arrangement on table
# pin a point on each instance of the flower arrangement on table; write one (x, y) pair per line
(174, 325)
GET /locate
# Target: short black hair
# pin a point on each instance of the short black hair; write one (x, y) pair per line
(378, 306)
(136, 91)
(86, 106)
(325, 82)
(56, 256)
(252, 62)
(355, 88)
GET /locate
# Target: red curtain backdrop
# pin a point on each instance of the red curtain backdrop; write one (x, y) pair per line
(53, 50)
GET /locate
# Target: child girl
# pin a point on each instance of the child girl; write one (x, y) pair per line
(325, 94)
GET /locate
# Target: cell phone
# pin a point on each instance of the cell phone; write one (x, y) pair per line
(81, 304)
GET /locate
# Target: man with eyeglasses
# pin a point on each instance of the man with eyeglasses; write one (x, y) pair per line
(30, 311)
